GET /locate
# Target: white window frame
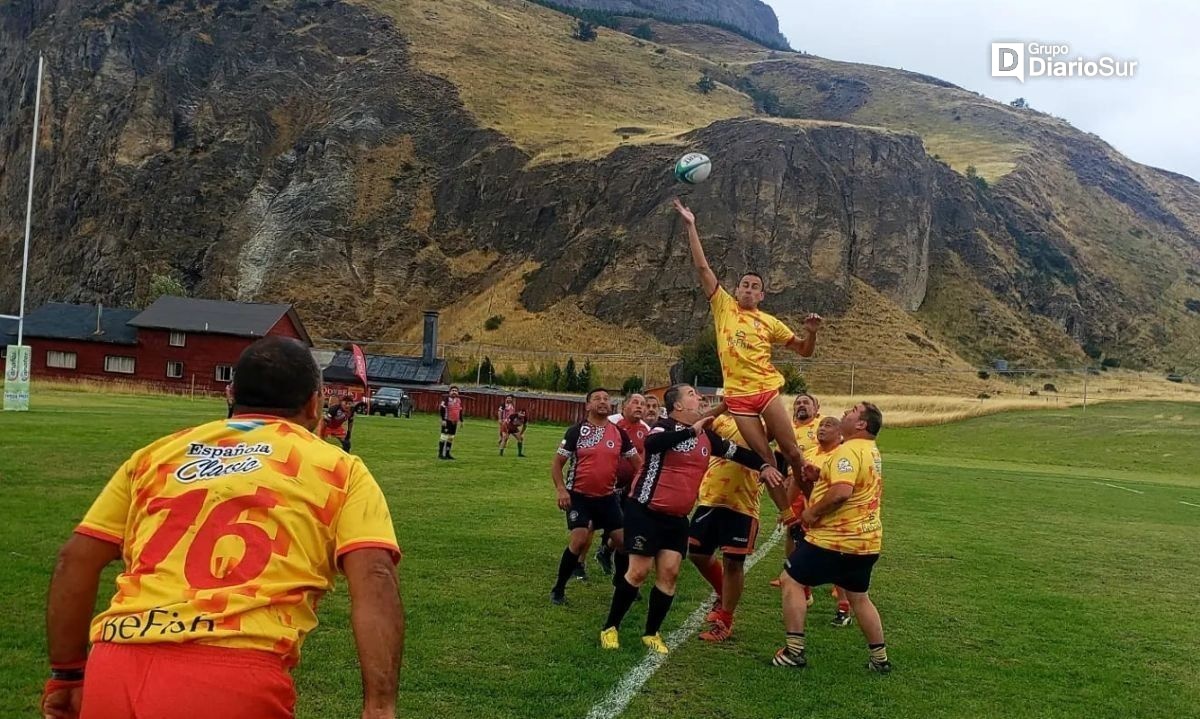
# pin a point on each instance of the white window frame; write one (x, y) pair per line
(177, 339)
(66, 360)
(228, 373)
(108, 364)
(174, 376)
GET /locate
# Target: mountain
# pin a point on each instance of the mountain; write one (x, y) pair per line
(752, 18)
(367, 160)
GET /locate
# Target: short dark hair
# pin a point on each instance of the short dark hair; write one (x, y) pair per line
(671, 396)
(873, 417)
(509, 396)
(752, 273)
(347, 398)
(593, 391)
(275, 375)
(453, 386)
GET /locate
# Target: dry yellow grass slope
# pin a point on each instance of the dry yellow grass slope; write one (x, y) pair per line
(519, 71)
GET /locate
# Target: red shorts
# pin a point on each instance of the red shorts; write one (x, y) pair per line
(166, 681)
(751, 405)
(339, 432)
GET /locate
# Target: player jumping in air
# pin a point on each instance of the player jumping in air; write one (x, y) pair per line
(745, 335)
(229, 533)
(656, 511)
(594, 447)
(451, 409)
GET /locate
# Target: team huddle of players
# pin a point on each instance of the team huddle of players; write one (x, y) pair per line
(637, 481)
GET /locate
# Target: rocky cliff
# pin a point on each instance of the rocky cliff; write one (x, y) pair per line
(303, 152)
(753, 18)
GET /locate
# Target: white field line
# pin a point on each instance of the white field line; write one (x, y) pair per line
(1117, 486)
(619, 696)
(1189, 504)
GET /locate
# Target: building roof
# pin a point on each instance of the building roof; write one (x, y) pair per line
(385, 369)
(242, 319)
(60, 321)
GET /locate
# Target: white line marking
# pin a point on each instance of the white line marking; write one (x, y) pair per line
(1117, 486)
(618, 697)
(1189, 504)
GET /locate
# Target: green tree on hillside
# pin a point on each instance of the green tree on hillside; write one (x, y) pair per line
(698, 360)
(643, 32)
(161, 285)
(584, 31)
(706, 84)
(570, 380)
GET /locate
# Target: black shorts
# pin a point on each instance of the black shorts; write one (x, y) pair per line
(722, 528)
(648, 532)
(594, 512)
(449, 428)
(813, 566)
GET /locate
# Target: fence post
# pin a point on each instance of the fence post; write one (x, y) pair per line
(852, 381)
(193, 387)
(1085, 379)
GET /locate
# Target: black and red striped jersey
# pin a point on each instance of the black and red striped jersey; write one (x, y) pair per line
(594, 451)
(675, 462)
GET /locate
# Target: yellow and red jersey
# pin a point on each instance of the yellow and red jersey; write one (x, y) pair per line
(727, 483)
(230, 533)
(806, 433)
(812, 455)
(856, 526)
(744, 340)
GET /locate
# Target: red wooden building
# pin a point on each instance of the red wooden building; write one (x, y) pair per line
(177, 343)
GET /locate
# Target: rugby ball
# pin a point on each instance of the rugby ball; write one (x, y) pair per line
(693, 168)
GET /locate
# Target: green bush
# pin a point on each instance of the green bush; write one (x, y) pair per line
(643, 32)
(706, 84)
(493, 323)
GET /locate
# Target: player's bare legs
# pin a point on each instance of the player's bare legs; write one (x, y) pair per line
(751, 429)
(868, 616)
(779, 425)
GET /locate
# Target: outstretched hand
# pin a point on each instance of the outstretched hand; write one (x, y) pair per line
(701, 425)
(812, 323)
(771, 476)
(685, 214)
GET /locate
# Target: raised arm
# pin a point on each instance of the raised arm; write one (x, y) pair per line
(708, 280)
(377, 617)
(804, 346)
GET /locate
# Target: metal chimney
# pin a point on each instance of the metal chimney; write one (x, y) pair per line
(99, 317)
(430, 339)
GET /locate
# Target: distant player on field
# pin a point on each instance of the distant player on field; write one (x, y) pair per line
(229, 534)
(843, 537)
(594, 448)
(451, 409)
(338, 421)
(507, 409)
(656, 511)
(745, 335)
(515, 428)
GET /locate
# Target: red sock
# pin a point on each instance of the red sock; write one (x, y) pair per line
(715, 576)
(726, 617)
(844, 607)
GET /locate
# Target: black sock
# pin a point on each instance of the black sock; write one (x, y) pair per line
(442, 448)
(520, 448)
(566, 566)
(623, 596)
(620, 566)
(660, 604)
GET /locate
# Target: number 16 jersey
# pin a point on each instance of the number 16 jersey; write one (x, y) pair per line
(231, 532)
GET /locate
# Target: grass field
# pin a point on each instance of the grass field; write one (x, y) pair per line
(1035, 565)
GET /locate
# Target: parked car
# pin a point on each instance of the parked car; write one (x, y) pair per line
(391, 400)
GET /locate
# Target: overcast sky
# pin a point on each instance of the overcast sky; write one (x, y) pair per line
(1152, 118)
